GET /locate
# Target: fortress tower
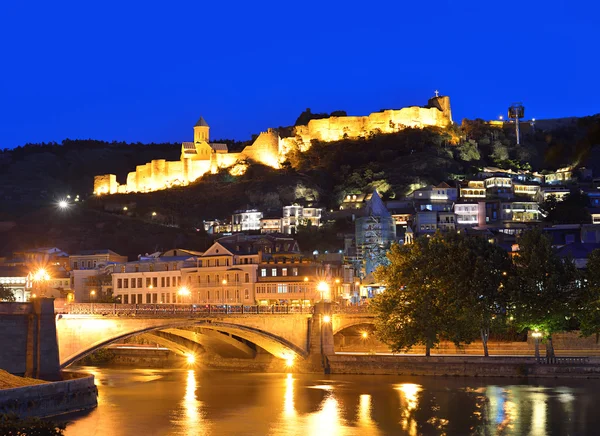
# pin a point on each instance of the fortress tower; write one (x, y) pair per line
(201, 130)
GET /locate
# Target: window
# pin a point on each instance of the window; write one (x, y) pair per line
(246, 294)
(207, 278)
(154, 282)
(168, 282)
(139, 282)
(208, 295)
(125, 299)
(162, 282)
(75, 265)
(282, 288)
(246, 278)
(162, 298)
(125, 283)
(133, 301)
(274, 272)
(119, 283)
(148, 298)
(294, 271)
(284, 272)
(133, 283)
(148, 282)
(168, 298)
(263, 272)
(155, 298)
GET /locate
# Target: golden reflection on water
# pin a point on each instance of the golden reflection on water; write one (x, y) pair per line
(193, 422)
(289, 409)
(365, 421)
(327, 420)
(538, 416)
(409, 402)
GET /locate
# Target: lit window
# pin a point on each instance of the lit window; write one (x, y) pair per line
(274, 272)
(284, 272)
(263, 272)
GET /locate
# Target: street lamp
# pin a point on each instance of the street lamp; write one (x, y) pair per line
(305, 286)
(41, 277)
(183, 292)
(224, 283)
(323, 287)
(92, 297)
(536, 336)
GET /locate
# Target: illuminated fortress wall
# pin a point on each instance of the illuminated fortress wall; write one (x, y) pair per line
(200, 157)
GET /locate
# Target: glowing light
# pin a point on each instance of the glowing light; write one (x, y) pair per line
(326, 319)
(190, 358)
(41, 275)
(408, 402)
(125, 208)
(184, 291)
(63, 204)
(33, 295)
(323, 288)
(153, 213)
(289, 362)
(364, 335)
(536, 335)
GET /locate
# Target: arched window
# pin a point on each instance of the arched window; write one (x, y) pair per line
(247, 278)
(246, 294)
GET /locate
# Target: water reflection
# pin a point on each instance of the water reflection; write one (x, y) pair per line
(327, 420)
(538, 417)
(365, 420)
(210, 403)
(408, 403)
(192, 422)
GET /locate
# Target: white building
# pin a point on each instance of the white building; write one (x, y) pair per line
(153, 280)
(242, 221)
(298, 215)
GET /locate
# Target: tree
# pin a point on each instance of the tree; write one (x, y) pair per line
(419, 306)
(468, 151)
(545, 288)
(6, 294)
(571, 210)
(588, 308)
(11, 424)
(500, 152)
(477, 272)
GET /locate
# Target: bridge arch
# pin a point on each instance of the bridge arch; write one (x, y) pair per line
(340, 323)
(79, 336)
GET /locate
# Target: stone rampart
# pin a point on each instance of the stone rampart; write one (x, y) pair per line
(269, 149)
(77, 392)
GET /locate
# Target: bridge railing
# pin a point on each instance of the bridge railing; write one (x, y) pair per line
(110, 309)
(351, 309)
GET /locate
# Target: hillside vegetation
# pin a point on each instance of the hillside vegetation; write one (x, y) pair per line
(35, 176)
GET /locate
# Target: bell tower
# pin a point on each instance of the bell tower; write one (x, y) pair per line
(201, 130)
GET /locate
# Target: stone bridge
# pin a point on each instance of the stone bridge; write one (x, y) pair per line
(45, 340)
(290, 333)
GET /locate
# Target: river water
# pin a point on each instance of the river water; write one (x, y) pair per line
(145, 402)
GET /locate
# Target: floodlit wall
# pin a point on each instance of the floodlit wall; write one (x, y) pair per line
(269, 149)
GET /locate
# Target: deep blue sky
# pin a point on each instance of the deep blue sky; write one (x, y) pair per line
(145, 70)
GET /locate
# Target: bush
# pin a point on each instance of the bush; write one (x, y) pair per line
(12, 425)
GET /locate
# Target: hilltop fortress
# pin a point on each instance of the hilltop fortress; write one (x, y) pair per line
(202, 156)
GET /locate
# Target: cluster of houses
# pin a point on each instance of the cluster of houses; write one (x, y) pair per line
(255, 258)
(236, 269)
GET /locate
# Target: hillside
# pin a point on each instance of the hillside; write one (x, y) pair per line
(34, 177)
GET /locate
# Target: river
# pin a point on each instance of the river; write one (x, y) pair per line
(145, 402)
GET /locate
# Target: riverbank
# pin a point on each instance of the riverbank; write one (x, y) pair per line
(76, 392)
(463, 366)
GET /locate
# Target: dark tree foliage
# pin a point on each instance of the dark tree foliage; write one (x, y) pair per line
(6, 294)
(545, 289)
(12, 425)
(444, 287)
(588, 308)
(571, 210)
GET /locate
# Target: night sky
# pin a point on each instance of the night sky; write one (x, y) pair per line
(144, 71)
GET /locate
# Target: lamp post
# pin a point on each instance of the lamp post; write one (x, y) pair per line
(323, 287)
(224, 283)
(41, 278)
(183, 292)
(305, 285)
(536, 336)
(92, 297)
